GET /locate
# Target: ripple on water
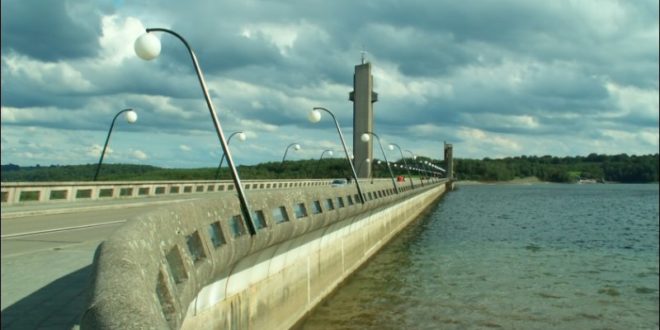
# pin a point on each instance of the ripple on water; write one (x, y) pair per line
(524, 257)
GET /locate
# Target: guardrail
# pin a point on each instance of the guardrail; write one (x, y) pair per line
(188, 260)
(40, 192)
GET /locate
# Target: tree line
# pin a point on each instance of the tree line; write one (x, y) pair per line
(605, 168)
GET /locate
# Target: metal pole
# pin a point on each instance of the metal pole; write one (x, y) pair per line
(396, 189)
(107, 139)
(287, 150)
(412, 185)
(348, 158)
(319, 163)
(222, 159)
(414, 158)
(216, 122)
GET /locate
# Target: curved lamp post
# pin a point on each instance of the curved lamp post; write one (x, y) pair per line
(329, 152)
(365, 138)
(392, 145)
(295, 146)
(314, 117)
(414, 158)
(242, 137)
(147, 47)
(131, 117)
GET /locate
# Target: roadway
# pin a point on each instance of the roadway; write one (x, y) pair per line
(47, 251)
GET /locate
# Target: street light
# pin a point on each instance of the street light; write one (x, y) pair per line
(131, 117)
(365, 138)
(392, 145)
(314, 116)
(295, 146)
(147, 47)
(242, 137)
(329, 152)
(414, 158)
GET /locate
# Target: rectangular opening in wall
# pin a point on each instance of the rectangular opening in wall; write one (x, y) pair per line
(199, 189)
(160, 190)
(174, 190)
(187, 189)
(125, 192)
(143, 191)
(107, 192)
(247, 186)
(210, 188)
(259, 219)
(267, 185)
(316, 207)
(5, 196)
(300, 210)
(230, 187)
(83, 193)
(195, 247)
(175, 262)
(221, 188)
(216, 235)
(261, 186)
(350, 200)
(57, 194)
(340, 202)
(164, 296)
(27, 196)
(329, 205)
(280, 215)
(237, 226)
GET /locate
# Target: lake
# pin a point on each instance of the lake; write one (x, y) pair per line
(539, 256)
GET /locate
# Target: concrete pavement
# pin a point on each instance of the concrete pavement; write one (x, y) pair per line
(45, 272)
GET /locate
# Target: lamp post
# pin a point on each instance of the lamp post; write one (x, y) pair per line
(295, 146)
(365, 137)
(131, 117)
(329, 152)
(392, 145)
(147, 47)
(242, 137)
(314, 117)
(414, 158)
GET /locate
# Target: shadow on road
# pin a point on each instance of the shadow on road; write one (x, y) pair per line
(57, 305)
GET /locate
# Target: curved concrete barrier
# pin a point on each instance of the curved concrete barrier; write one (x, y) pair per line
(193, 265)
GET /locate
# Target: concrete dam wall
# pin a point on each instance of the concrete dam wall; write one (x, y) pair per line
(194, 266)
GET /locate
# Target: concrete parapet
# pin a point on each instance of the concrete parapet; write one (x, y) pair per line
(194, 265)
(41, 192)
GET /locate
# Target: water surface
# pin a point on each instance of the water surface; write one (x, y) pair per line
(541, 256)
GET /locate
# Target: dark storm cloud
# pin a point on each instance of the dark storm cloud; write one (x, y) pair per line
(51, 30)
(444, 70)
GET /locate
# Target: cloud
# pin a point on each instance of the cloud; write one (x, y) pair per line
(139, 155)
(506, 78)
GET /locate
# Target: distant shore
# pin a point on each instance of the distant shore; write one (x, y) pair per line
(526, 180)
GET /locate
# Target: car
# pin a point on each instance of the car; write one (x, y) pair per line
(338, 183)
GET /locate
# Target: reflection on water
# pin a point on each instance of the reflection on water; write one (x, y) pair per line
(538, 256)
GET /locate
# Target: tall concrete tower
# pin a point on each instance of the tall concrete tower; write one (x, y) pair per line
(363, 98)
(449, 160)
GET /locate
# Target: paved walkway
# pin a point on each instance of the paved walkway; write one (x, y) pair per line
(27, 209)
(56, 304)
(46, 288)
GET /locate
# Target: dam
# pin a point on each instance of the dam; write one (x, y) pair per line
(194, 266)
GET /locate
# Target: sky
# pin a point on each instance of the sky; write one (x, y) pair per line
(496, 79)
